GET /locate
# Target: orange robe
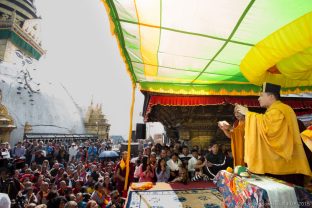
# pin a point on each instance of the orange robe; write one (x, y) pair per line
(307, 137)
(273, 144)
(237, 143)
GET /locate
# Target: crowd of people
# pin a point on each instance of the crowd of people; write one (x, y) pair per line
(54, 174)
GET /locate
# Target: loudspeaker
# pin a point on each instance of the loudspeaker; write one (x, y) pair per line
(133, 137)
(140, 131)
(134, 149)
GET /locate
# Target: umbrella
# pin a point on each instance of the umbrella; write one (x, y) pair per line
(108, 154)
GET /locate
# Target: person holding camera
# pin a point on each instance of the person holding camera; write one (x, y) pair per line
(116, 200)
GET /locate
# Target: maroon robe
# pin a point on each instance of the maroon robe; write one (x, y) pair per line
(120, 184)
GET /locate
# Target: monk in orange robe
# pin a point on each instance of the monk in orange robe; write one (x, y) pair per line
(306, 136)
(272, 140)
(236, 134)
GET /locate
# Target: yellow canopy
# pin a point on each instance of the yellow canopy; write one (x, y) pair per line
(284, 57)
(208, 47)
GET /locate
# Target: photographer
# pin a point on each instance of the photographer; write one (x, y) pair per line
(116, 200)
(5, 151)
(30, 196)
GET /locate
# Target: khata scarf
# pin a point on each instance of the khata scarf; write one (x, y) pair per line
(122, 164)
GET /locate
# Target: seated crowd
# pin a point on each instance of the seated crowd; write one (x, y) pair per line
(58, 175)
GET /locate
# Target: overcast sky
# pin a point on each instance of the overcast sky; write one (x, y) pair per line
(83, 55)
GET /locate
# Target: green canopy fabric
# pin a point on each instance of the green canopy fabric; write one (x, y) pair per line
(196, 47)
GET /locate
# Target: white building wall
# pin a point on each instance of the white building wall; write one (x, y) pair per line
(53, 110)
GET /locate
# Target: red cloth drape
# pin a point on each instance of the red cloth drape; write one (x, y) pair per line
(296, 103)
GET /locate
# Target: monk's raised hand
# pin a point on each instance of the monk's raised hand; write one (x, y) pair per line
(241, 109)
(224, 125)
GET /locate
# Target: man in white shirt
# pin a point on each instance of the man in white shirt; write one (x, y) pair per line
(72, 151)
(192, 162)
(185, 155)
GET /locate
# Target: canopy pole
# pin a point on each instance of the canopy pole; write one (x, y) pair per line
(130, 137)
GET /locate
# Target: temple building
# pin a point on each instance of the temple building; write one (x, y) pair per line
(20, 30)
(6, 122)
(194, 119)
(29, 104)
(96, 123)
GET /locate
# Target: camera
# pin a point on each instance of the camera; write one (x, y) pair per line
(86, 197)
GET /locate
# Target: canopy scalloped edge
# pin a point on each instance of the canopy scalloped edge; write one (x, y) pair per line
(288, 51)
(213, 89)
